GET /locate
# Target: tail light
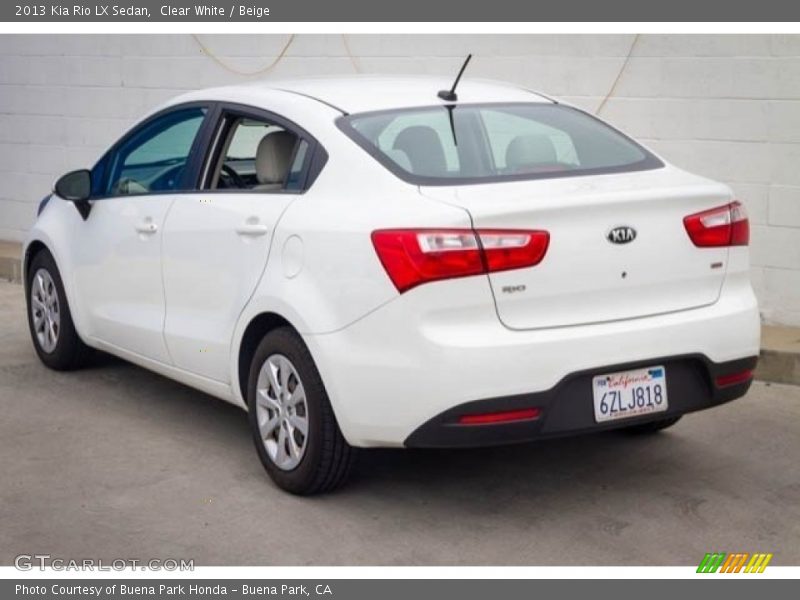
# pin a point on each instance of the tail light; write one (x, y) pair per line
(415, 256)
(734, 378)
(723, 226)
(505, 250)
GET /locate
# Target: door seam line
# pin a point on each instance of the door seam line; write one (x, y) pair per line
(164, 283)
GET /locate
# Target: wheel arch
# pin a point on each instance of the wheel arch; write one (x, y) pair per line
(51, 234)
(35, 247)
(259, 326)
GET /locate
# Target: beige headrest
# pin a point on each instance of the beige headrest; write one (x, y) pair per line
(274, 155)
(423, 149)
(530, 150)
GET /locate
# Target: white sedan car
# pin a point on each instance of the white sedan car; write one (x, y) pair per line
(364, 262)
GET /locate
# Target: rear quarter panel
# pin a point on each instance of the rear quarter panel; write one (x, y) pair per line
(323, 273)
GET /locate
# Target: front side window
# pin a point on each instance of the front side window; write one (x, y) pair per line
(153, 158)
(495, 142)
(257, 155)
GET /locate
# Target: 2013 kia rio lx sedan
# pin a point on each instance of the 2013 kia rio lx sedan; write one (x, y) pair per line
(360, 263)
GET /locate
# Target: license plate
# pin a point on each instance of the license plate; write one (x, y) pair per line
(629, 394)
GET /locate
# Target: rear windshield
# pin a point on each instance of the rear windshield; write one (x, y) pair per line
(447, 145)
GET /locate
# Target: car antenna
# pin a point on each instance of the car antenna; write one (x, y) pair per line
(450, 95)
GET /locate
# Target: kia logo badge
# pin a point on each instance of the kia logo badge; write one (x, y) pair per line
(621, 235)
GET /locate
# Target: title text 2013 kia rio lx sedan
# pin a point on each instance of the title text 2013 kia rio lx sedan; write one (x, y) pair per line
(360, 262)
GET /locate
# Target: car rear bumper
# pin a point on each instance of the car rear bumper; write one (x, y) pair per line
(567, 408)
(395, 376)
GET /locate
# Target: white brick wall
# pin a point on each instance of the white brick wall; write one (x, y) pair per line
(726, 106)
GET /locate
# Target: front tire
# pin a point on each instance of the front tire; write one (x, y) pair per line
(49, 319)
(294, 429)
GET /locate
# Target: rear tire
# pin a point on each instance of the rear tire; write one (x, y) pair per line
(54, 336)
(652, 427)
(294, 429)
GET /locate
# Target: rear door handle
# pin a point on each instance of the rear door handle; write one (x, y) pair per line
(252, 229)
(147, 226)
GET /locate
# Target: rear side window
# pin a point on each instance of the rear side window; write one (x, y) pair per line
(295, 179)
(446, 145)
(256, 155)
(153, 158)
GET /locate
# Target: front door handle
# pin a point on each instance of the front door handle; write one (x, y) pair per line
(147, 227)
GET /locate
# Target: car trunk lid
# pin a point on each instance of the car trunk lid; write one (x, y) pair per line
(618, 246)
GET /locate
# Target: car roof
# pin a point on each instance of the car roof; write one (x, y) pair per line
(357, 94)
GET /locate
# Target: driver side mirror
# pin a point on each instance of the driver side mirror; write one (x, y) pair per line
(76, 187)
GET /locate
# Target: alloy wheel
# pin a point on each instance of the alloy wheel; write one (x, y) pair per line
(45, 310)
(282, 412)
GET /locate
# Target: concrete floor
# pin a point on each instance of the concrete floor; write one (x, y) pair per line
(117, 462)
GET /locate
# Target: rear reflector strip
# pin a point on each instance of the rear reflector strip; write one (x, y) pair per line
(734, 378)
(507, 416)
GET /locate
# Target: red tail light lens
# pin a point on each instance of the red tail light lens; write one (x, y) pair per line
(722, 226)
(506, 416)
(506, 250)
(412, 257)
(734, 378)
(415, 256)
